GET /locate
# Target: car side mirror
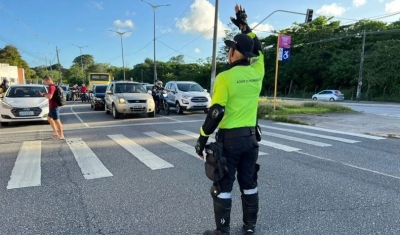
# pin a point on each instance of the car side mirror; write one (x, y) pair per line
(205, 90)
(1, 95)
(109, 92)
(149, 92)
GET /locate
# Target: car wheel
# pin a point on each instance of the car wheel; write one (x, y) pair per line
(178, 108)
(4, 123)
(315, 98)
(115, 112)
(331, 99)
(106, 110)
(151, 114)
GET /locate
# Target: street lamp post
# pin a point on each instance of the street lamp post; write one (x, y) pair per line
(122, 48)
(154, 34)
(80, 49)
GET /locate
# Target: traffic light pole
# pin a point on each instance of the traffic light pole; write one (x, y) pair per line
(293, 12)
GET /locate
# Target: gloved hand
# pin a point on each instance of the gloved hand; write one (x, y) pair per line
(241, 19)
(201, 143)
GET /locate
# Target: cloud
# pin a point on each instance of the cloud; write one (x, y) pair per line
(201, 20)
(331, 10)
(98, 5)
(359, 3)
(128, 13)
(392, 6)
(80, 30)
(125, 24)
(262, 27)
(197, 50)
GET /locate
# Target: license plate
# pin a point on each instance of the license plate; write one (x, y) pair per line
(200, 104)
(137, 106)
(26, 113)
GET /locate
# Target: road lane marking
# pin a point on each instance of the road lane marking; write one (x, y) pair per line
(211, 139)
(27, 169)
(278, 146)
(77, 116)
(312, 134)
(146, 157)
(334, 131)
(90, 164)
(305, 141)
(174, 143)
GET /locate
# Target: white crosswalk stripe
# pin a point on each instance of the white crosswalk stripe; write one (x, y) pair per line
(304, 141)
(27, 169)
(349, 141)
(90, 164)
(333, 131)
(211, 139)
(174, 143)
(148, 158)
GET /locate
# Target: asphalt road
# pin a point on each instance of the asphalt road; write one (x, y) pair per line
(140, 175)
(389, 110)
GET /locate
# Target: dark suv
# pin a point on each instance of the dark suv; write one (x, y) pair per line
(97, 96)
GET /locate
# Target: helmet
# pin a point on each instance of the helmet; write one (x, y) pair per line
(159, 82)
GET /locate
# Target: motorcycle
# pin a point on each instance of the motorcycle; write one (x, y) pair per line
(162, 104)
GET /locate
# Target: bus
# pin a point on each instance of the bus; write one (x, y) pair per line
(98, 79)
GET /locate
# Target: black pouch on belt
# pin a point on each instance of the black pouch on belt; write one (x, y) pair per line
(215, 165)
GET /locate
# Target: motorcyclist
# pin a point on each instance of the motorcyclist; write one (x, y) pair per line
(4, 86)
(83, 91)
(157, 89)
(74, 92)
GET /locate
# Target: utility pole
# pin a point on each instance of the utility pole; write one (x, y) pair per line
(45, 58)
(154, 34)
(80, 49)
(214, 53)
(142, 75)
(51, 68)
(360, 76)
(122, 48)
(59, 65)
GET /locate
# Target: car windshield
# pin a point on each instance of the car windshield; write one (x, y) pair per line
(101, 89)
(129, 88)
(189, 87)
(25, 92)
(64, 88)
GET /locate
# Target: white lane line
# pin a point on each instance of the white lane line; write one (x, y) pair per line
(311, 142)
(352, 166)
(107, 126)
(174, 143)
(312, 134)
(146, 157)
(333, 131)
(77, 116)
(211, 139)
(90, 164)
(278, 146)
(27, 171)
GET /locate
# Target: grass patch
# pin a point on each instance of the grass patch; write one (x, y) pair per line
(285, 108)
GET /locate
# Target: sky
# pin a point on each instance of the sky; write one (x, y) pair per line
(37, 27)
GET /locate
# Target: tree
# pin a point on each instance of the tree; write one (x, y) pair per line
(224, 50)
(10, 55)
(177, 59)
(87, 60)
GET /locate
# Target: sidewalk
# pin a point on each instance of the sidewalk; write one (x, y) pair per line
(357, 123)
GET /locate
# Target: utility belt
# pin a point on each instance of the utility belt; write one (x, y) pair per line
(234, 133)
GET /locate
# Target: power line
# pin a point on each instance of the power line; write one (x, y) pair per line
(22, 49)
(140, 50)
(188, 43)
(176, 22)
(24, 25)
(175, 49)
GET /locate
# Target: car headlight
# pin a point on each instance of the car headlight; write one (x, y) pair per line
(185, 96)
(150, 100)
(6, 106)
(96, 98)
(44, 104)
(121, 100)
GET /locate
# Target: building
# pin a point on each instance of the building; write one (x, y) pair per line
(14, 74)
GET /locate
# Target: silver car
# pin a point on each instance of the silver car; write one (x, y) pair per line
(126, 97)
(329, 95)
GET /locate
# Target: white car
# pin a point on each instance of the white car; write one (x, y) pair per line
(23, 103)
(328, 95)
(187, 95)
(126, 97)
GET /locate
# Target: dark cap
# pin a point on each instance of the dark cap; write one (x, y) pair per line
(242, 43)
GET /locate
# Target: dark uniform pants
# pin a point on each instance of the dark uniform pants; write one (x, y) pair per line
(241, 153)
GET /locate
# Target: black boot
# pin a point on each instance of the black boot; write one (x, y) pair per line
(250, 213)
(222, 212)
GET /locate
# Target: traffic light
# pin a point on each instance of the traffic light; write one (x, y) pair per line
(309, 16)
